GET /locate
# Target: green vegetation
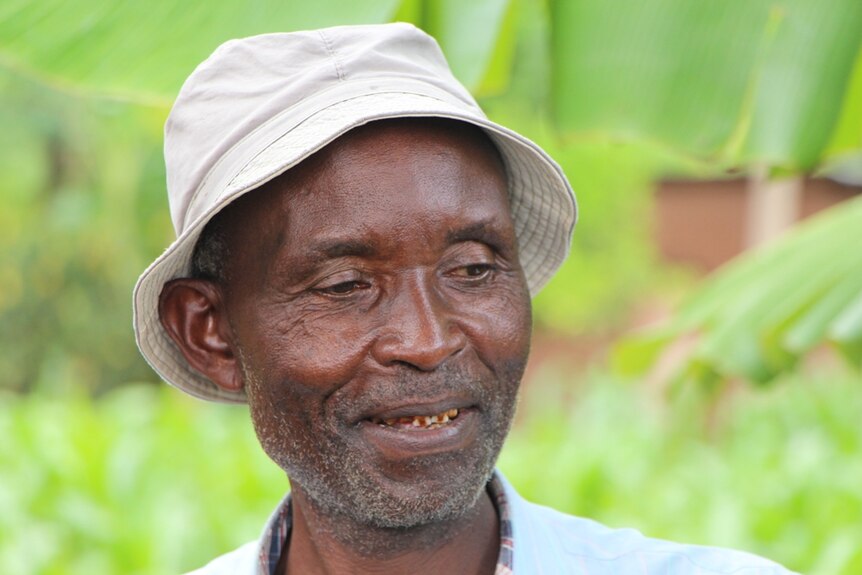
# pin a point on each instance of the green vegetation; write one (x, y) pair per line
(760, 315)
(84, 212)
(145, 480)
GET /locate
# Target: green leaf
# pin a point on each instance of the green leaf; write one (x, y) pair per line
(813, 327)
(848, 131)
(477, 38)
(636, 355)
(499, 67)
(847, 327)
(758, 316)
(760, 78)
(142, 51)
(802, 83)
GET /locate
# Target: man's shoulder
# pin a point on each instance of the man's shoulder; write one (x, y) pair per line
(240, 561)
(546, 537)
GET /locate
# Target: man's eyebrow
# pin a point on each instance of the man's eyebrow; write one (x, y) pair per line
(340, 248)
(484, 231)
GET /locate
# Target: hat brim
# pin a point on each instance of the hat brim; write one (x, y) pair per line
(542, 203)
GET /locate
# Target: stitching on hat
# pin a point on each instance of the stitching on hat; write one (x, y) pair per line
(332, 54)
(250, 184)
(204, 182)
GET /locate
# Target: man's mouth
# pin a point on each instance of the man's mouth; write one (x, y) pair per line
(418, 422)
(412, 432)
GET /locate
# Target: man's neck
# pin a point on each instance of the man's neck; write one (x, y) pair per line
(325, 545)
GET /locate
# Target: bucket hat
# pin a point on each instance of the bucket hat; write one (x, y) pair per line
(260, 105)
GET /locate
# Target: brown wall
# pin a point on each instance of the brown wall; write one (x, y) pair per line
(703, 223)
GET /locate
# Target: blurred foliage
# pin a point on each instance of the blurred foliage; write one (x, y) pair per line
(145, 480)
(612, 264)
(480, 56)
(847, 138)
(753, 81)
(140, 481)
(143, 51)
(768, 308)
(772, 84)
(77, 227)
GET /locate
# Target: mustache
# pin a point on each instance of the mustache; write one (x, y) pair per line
(450, 382)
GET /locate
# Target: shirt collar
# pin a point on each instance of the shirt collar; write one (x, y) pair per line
(277, 531)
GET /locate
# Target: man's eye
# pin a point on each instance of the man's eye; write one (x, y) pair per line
(474, 271)
(343, 288)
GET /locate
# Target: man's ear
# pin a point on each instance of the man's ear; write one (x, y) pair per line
(193, 314)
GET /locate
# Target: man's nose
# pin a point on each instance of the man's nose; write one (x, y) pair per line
(421, 329)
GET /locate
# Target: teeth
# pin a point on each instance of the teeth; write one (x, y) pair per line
(419, 420)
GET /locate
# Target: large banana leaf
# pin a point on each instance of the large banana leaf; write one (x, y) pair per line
(847, 137)
(478, 37)
(739, 81)
(763, 312)
(142, 51)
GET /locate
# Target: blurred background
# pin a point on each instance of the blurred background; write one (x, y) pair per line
(695, 369)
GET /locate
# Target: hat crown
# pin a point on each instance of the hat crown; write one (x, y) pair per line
(247, 82)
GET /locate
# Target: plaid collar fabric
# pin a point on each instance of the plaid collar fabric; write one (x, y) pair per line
(278, 532)
(505, 564)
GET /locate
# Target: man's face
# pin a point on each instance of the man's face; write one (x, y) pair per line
(369, 290)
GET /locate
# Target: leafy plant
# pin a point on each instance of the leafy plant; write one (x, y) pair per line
(142, 52)
(738, 82)
(770, 307)
(734, 84)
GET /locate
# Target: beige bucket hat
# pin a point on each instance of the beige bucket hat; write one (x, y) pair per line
(260, 105)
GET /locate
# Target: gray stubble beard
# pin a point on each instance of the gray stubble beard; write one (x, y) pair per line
(336, 485)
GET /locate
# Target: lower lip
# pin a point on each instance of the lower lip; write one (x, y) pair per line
(399, 443)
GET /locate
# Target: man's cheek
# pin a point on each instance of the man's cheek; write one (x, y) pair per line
(317, 357)
(500, 331)
(282, 424)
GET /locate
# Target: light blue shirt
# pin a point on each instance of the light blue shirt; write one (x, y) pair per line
(547, 542)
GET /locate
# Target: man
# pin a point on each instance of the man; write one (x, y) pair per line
(370, 300)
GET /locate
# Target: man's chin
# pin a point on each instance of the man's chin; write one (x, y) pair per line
(386, 489)
(412, 500)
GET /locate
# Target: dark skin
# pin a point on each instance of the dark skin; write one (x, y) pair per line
(378, 279)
